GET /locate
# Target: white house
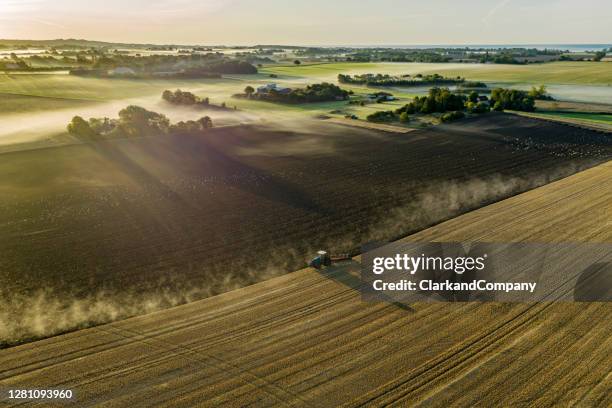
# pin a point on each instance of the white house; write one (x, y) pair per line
(272, 87)
(122, 71)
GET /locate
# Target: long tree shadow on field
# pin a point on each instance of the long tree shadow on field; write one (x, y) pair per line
(204, 159)
(131, 168)
(251, 179)
(348, 273)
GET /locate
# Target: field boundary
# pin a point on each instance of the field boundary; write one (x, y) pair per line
(59, 98)
(269, 342)
(577, 123)
(369, 125)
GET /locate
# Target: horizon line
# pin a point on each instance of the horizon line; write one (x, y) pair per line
(387, 45)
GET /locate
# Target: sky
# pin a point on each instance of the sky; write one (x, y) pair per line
(312, 22)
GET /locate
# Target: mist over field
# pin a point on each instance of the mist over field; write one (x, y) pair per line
(97, 231)
(189, 191)
(45, 312)
(20, 128)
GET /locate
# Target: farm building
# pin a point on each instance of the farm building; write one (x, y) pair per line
(122, 71)
(272, 87)
(382, 96)
(11, 65)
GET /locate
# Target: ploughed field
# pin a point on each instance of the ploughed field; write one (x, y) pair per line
(193, 216)
(308, 339)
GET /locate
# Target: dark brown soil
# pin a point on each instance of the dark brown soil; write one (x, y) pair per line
(130, 215)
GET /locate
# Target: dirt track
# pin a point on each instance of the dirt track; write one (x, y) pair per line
(306, 339)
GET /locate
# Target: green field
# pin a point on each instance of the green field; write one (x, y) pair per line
(15, 103)
(45, 94)
(594, 73)
(92, 89)
(36, 92)
(84, 90)
(590, 117)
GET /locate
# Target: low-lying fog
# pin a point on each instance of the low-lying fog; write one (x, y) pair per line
(36, 126)
(46, 313)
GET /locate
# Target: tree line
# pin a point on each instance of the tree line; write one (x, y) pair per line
(185, 98)
(453, 106)
(134, 121)
(404, 80)
(167, 66)
(323, 92)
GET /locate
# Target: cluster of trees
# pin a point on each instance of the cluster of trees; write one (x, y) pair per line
(134, 121)
(398, 55)
(20, 64)
(231, 67)
(14, 65)
(475, 105)
(500, 58)
(513, 99)
(186, 98)
(437, 100)
(473, 84)
(516, 55)
(599, 55)
(404, 80)
(498, 55)
(453, 106)
(382, 116)
(179, 66)
(451, 116)
(540, 93)
(323, 92)
(179, 97)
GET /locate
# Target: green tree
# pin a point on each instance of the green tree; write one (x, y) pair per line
(205, 122)
(80, 128)
(381, 116)
(297, 62)
(539, 93)
(599, 55)
(404, 118)
(249, 90)
(137, 121)
(450, 116)
(167, 96)
(473, 96)
(513, 99)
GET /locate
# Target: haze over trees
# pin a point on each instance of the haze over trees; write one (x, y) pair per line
(437, 100)
(134, 121)
(323, 92)
(382, 116)
(167, 66)
(599, 55)
(404, 80)
(249, 90)
(540, 93)
(451, 116)
(513, 99)
(472, 84)
(185, 98)
(179, 97)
